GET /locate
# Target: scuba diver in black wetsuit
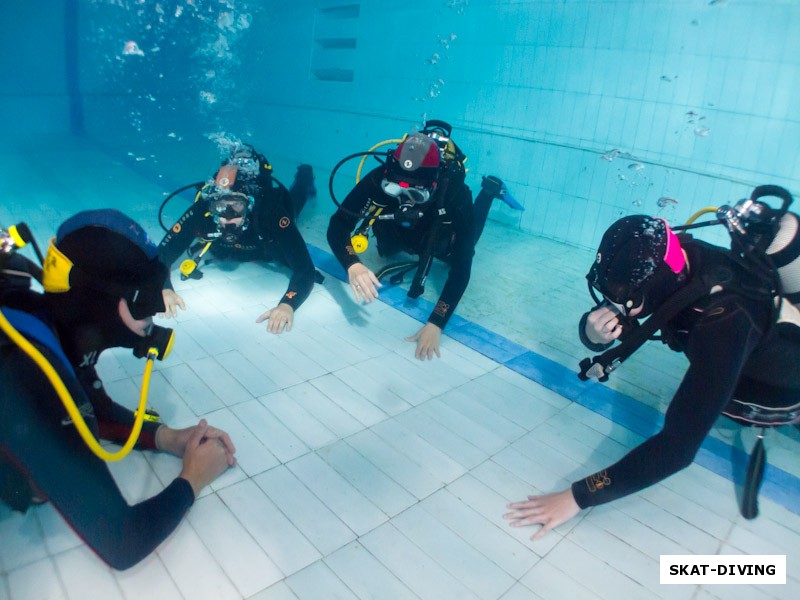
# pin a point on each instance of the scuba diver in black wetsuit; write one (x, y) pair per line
(246, 214)
(712, 305)
(417, 202)
(102, 281)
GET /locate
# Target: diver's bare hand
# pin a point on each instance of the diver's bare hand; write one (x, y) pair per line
(603, 326)
(175, 441)
(279, 319)
(364, 283)
(171, 303)
(427, 340)
(549, 511)
(205, 458)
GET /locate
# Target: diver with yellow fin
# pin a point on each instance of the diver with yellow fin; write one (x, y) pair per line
(102, 285)
(245, 214)
(417, 202)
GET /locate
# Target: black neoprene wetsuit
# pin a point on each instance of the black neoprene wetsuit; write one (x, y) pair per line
(271, 234)
(454, 233)
(42, 456)
(730, 356)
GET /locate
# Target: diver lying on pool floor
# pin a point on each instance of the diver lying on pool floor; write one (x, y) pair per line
(102, 281)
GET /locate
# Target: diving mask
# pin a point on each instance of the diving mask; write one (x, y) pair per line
(230, 206)
(403, 190)
(623, 299)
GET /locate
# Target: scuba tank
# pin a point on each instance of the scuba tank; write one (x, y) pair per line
(785, 253)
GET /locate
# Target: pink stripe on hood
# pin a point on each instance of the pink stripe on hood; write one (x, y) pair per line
(674, 256)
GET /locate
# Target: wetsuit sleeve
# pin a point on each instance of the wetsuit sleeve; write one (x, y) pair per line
(717, 348)
(179, 238)
(61, 468)
(345, 219)
(289, 241)
(113, 420)
(460, 261)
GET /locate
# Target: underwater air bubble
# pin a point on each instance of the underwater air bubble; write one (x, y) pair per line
(132, 49)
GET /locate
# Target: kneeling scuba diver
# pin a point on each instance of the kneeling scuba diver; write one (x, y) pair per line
(415, 201)
(245, 214)
(102, 281)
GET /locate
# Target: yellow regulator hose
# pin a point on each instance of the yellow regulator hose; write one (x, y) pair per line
(375, 147)
(700, 213)
(69, 403)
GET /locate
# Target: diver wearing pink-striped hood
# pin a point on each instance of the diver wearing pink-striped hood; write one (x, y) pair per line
(708, 304)
(639, 263)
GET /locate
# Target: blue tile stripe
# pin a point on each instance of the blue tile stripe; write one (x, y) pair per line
(715, 455)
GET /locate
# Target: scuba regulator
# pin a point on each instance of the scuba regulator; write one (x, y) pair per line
(16, 271)
(767, 239)
(189, 267)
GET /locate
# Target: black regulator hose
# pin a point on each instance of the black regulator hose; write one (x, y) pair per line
(198, 186)
(336, 168)
(774, 190)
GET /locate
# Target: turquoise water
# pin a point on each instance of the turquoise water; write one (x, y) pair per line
(691, 101)
(589, 110)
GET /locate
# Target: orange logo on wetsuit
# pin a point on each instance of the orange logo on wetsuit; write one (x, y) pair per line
(441, 308)
(284, 222)
(290, 295)
(176, 228)
(349, 250)
(598, 481)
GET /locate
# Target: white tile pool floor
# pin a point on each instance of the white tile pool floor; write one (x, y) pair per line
(366, 474)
